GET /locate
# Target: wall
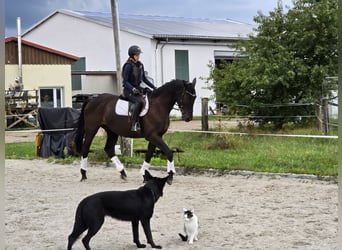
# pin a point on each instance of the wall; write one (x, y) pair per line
(199, 58)
(97, 85)
(68, 34)
(36, 76)
(158, 59)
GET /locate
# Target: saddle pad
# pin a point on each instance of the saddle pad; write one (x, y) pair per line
(121, 107)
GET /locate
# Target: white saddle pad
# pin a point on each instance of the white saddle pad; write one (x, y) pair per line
(121, 107)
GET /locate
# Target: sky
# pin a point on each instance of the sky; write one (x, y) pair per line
(32, 11)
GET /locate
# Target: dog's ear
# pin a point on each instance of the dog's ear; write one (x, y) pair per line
(169, 179)
(148, 176)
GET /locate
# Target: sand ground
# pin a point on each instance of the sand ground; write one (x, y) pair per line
(235, 212)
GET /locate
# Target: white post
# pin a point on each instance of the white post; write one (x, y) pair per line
(20, 63)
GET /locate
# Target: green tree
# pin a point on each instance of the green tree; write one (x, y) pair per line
(286, 61)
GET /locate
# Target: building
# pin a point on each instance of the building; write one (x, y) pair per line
(44, 70)
(41, 78)
(172, 47)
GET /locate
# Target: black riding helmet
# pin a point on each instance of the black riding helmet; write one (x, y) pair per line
(134, 50)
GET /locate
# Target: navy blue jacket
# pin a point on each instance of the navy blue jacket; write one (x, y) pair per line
(133, 74)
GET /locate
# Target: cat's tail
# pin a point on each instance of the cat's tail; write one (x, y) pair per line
(183, 237)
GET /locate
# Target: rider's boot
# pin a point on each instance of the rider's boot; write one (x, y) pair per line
(135, 117)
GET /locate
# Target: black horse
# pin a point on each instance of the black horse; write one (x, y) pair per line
(100, 112)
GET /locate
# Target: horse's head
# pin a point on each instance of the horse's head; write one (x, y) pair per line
(187, 99)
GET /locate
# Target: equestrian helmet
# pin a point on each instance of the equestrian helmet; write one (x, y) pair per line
(134, 50)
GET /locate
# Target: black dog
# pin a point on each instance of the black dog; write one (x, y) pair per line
(132, 205)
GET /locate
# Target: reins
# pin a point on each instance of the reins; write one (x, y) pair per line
(179, 101)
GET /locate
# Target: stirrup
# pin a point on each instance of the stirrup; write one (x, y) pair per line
(135, 127)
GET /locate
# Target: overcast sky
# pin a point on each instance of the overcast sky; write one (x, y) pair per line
(32, 11)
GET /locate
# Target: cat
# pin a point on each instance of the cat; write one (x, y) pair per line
(190, 226)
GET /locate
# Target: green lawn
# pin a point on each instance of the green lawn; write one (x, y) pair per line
(226, 152)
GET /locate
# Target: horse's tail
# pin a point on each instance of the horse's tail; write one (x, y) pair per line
(80, 130)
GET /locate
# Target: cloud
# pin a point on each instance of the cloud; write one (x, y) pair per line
(33, 11)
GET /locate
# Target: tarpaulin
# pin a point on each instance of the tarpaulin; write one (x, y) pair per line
(53, 143)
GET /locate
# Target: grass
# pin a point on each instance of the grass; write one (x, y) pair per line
(225, 152)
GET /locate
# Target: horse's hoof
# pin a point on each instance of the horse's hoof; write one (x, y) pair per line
(84, 175)
(170, 177)
(123, 174)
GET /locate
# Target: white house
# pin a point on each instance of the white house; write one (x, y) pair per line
(173, 47)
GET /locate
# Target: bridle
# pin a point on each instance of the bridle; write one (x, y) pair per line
(181, 101)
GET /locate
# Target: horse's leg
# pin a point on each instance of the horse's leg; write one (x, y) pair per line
(145, 166)
(157, 141)
(89, 136)
(110, 143)
(112, 138)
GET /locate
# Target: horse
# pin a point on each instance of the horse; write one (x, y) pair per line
(100, 112)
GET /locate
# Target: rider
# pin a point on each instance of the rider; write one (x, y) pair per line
(133, 74)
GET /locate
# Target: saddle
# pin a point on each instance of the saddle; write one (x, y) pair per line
(122, 107)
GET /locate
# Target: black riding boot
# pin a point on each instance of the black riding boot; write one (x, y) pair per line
(135, 118)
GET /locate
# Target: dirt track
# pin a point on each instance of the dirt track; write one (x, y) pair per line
(235, 212)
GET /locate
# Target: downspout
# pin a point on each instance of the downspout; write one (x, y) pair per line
(20, 63)
(162, 60)
(156, 64)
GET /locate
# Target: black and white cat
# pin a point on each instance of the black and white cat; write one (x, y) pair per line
(190, 226)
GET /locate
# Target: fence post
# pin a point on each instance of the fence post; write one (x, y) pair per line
(325, 115)
(205, 126)
(319, 116)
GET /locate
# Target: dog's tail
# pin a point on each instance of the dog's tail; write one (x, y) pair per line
(183, 237)
(79, 226)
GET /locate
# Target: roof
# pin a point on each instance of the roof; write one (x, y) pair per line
(163, 27)
(42, 48)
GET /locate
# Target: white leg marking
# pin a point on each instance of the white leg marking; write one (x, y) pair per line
(119, 166)
(171, 166)
(145, 166)
(84, 163)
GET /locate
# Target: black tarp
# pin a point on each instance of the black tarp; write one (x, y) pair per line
(54, 142)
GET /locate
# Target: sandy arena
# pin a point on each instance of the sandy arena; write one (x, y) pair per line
(235, 212)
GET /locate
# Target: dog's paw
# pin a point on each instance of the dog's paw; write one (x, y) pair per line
(141, 245)
(156, 246)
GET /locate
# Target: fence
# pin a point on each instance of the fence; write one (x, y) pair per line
(326, 113)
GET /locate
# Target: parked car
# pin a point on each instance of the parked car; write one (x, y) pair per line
(79, 99)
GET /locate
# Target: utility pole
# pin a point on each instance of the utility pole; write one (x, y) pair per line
(116, 34)
(125, 143)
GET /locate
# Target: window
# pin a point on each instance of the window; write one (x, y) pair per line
(182, 64)
(76, 80)
(222, 56)
(51, 97)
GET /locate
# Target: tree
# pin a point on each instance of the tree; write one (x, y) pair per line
(286, 61)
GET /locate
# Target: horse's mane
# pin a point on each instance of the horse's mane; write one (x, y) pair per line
(167, 87)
